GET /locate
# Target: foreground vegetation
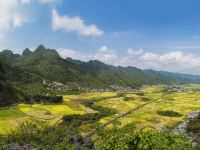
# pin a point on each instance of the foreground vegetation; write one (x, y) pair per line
(60, 137)
(127, 138)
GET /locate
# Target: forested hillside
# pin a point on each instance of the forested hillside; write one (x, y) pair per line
(8, 93)
(27, 72)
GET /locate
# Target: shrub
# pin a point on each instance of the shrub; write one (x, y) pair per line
(39, 134)
(121, 94)
(127, 138)
(140, 94)
(144, 99)
(169, 113)
(128, 98)
(47, 99)
(194, 125)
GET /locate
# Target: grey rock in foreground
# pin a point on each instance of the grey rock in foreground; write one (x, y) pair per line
(16, 146)
(82, 143)
(182, 127)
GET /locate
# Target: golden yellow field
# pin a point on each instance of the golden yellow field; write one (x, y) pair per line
(182, 102)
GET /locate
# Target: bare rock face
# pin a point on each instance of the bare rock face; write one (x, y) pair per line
(16, 146)
(182, 127)
(28, 147)
(82, 143)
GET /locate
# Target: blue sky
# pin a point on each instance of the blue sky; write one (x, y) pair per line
(155, 34)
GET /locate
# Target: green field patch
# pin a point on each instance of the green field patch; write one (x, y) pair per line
(11, 113)
(169, 113)
(57, 109)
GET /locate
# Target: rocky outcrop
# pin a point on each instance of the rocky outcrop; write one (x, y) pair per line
(82, 143)
(16, 146)
(182, 127)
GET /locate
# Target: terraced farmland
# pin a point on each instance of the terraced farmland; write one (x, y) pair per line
(157, 114)
(11, 117)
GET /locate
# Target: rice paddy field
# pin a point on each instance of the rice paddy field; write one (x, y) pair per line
(179, 102)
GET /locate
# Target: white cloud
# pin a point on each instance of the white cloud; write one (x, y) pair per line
(103, 54)
(64, 52)
(17, 20)
(134, 53)
(67, 53)
(13, 15)
(103, 49)
(73, 24)
(10, 16)
(149, 56)
(174, 61)
(106, 55)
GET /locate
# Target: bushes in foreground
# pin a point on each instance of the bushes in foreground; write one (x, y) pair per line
(47, 99)
(41, 135)
(127, 138)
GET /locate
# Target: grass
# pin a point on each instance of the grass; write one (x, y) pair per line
(11, 113)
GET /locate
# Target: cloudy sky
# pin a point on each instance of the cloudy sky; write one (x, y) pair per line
(149, 34)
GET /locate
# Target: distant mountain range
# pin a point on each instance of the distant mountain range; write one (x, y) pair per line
(27, 71)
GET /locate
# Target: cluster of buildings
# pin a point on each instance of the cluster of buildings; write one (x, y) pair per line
(55, 86)
(60, 87)
(177, 88)
(121, 89)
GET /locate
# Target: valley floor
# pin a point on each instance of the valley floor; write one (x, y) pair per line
(168, 111)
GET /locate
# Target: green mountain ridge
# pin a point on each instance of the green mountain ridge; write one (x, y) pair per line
(32, 68)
